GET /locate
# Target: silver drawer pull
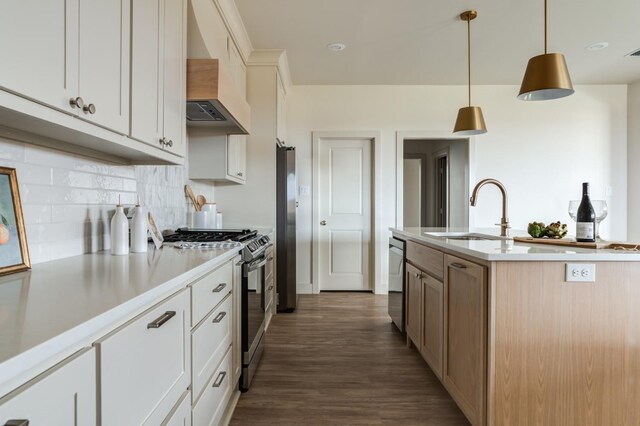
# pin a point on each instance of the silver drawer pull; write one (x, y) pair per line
(418, 275)
(159, 322)
(17, 423)
(219, 288)
(458, 265)
(219, 317)
(219, 379)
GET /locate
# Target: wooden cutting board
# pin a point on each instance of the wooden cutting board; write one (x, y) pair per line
(566, 242)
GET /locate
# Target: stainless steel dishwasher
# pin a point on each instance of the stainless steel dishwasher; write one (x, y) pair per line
(396, 302)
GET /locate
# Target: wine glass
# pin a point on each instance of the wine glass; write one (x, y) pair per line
(602, 210)
(600, 207)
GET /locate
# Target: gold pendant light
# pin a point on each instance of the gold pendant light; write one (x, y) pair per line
(547, 76)
(470, 120)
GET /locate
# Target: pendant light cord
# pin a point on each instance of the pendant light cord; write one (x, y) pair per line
(545, 27)
(469, 55)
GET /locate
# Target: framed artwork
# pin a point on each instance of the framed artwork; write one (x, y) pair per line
(156, 235)
(14, 253)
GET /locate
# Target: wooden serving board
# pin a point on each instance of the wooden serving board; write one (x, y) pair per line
(572, 243)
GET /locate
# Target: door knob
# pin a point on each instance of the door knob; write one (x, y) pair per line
(323, 222)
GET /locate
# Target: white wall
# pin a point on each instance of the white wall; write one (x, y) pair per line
(633, 162)
(68, 200)
(541, 151)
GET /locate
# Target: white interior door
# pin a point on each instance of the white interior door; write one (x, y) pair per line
(412, 190)
(344, 212)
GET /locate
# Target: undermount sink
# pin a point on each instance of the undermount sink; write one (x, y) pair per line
(464, 236)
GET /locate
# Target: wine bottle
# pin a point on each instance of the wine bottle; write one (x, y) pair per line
(586, 218)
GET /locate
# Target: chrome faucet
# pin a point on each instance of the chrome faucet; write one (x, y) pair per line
(504, 221)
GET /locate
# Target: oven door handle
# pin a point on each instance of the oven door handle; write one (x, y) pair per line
(253, 266)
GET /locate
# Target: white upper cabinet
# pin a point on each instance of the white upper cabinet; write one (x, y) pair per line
(237, 69)
(158, 73)
(146, 78)
(105, 78)
(281, 118)
(237, 158)
(175, 87)
(40, 61)
(73, 51)
(104, 62)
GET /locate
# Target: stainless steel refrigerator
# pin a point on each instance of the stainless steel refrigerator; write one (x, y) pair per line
(286, 228)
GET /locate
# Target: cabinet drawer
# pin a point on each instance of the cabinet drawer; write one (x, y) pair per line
(62, 395)
(211, 406)
(144, 364)
(209, 290)
(209, 343)
(269, 291)
(268, 267)
(181, 413)
(429, 260)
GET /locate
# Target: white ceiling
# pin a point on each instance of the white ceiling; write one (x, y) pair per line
(424, 41)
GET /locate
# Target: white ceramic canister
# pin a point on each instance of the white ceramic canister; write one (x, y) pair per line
(200, 220)
(219, 220)
(119, 232)
(211, 218)
(139, 240)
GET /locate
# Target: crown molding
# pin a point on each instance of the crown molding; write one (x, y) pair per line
(235, 27)
(273, 57)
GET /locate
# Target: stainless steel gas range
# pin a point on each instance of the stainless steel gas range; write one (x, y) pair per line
(255, 251)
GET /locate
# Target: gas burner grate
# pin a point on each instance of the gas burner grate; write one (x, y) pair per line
(206, 236)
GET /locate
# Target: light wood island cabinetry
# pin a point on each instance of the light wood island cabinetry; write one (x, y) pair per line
(413, 305)
(465, 330)
(432, 323)
(515, 343)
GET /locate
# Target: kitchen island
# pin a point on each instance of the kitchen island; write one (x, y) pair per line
(515, 339)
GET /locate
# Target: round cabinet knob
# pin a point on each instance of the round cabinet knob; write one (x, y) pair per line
(76, 102)
(89, 109)
(323, 222)
(170, 143)
(240, 174)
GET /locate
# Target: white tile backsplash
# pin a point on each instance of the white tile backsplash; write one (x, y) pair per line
(68, 200)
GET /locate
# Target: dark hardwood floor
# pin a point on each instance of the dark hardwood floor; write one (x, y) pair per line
(338, 360)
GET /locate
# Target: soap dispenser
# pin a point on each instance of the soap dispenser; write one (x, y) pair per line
(139, 241)
(119, 232)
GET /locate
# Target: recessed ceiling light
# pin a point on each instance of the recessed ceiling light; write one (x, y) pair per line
(598, 46)
(336, 47)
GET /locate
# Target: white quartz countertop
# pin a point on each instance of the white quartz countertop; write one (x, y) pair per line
(58, 307)
(508, 250)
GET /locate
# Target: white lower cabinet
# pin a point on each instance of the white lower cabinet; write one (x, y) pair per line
(211, 407)
(156, 369)
(181, 413)
(144, 365)
(210, 340)
(209, 290)
(61, 396)
(237, 318)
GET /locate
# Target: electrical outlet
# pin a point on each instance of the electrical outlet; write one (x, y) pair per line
(580, 272)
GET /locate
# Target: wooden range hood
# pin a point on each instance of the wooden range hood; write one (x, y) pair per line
(212, 99)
